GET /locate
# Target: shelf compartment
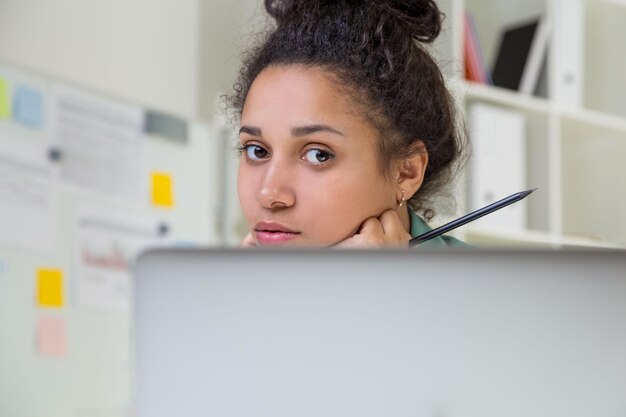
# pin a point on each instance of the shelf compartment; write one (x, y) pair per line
(492, 16)
(593, 187)
(605, 60)
(537, 164)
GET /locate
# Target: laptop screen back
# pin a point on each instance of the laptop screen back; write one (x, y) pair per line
(371, 334)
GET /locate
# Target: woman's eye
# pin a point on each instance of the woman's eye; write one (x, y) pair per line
(256, 152)
(318, 156)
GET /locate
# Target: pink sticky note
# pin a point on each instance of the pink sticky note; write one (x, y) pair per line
(51, 337)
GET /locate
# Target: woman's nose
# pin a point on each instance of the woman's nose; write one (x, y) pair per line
(276, 189)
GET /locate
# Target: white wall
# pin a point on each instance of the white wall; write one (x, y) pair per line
(172, 55)
(228, 27)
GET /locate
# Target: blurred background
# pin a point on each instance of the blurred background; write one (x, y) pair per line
(112, 141)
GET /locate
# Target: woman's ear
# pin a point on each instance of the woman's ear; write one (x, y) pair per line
(411, 169)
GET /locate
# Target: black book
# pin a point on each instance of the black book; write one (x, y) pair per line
(516, 64)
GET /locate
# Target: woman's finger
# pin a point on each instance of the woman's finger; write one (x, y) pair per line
(370, 234)
(384, 230)
(393, 228)
(248, 242)
(390, 222)
(371, 227)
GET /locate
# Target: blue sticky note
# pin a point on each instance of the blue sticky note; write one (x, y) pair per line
(28, 107)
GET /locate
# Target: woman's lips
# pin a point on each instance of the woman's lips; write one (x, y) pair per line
(270, 233)
(274, 238)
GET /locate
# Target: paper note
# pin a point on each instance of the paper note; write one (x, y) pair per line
(162, 193)
(102, 143)
(106, 246)
(49, 287)
(28, 107)
(52, 337)
(5, 101)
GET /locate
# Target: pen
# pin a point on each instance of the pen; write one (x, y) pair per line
(469, 217)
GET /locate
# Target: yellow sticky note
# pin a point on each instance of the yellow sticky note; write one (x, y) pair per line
(5, 100)
(162, 190)
(52, 337)
(50, 287)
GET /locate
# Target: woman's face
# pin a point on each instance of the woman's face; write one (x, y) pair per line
(309, 173)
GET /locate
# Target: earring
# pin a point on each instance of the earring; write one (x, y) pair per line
(402, 200)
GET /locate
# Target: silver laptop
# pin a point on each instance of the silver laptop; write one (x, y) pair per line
(370, 334)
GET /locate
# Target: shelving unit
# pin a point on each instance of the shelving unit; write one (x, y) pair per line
(575, 151)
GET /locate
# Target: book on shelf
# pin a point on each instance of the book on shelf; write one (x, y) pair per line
(475, 67)
(498, 163)
(521, 55)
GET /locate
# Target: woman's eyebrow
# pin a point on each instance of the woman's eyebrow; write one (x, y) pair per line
(254, 131)
(296, 131)
(308, 130)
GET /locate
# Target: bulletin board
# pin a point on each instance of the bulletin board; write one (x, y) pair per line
(86, 183)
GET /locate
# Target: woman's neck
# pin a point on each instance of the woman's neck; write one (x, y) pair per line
(405, 218)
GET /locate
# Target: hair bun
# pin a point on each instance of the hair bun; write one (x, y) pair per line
(279, 8)
(420, 18)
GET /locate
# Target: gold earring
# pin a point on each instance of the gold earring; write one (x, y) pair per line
(402, 200)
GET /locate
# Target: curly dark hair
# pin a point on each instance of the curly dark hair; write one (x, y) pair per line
(375, 48)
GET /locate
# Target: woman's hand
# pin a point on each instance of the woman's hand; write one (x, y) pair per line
(385, 230)
(248, 242)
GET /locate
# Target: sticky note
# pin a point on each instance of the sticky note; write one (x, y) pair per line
(162, 193)
(49, 287)
(28, 107)
(5, 102)
(51, 337)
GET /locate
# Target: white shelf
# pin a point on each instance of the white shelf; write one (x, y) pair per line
(598, 119)
(531, 239)
(473, 91)
(497, 95)
(574, 149)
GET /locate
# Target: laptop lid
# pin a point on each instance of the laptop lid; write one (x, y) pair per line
(363, 333)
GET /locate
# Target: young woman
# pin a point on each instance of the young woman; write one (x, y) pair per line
(346, 126)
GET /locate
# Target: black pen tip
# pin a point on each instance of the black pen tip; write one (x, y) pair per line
(525, 193)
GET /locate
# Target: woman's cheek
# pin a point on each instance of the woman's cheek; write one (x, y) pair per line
(337, 220)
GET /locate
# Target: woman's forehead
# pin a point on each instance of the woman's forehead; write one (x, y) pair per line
(301, 96)
(294, 86)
